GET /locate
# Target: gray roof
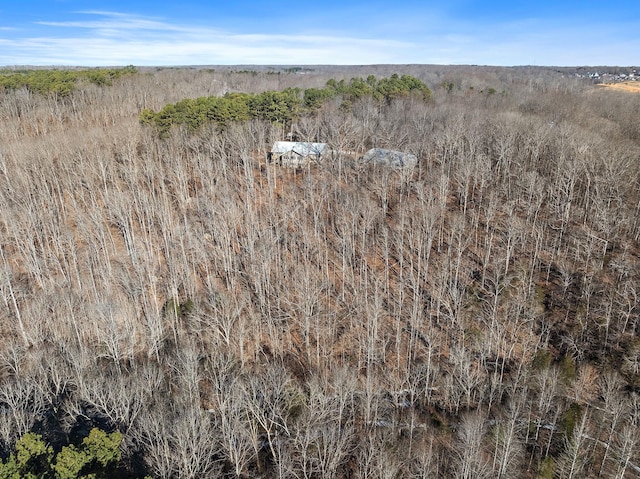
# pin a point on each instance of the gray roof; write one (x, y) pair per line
(299, 147)
(395, 159)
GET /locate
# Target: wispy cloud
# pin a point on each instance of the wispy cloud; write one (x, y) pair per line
(116, 21)
(114, 38)
(99, 38)
(218, 50)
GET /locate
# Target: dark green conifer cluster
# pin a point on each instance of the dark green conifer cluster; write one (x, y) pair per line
(279, 106)
(59, 82)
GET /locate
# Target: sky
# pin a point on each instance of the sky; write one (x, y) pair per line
(250, 32)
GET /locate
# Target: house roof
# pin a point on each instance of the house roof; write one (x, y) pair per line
(299, 147)
(395, 159)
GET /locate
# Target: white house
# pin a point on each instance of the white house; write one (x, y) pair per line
(296, 153)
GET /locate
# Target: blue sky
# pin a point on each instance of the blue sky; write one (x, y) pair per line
(198, 32)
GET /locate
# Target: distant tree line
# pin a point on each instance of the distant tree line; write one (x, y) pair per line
(280, 106)
(60, 82)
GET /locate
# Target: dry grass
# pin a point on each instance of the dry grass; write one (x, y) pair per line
(631, 87)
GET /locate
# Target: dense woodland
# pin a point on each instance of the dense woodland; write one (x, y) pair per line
(174, 306)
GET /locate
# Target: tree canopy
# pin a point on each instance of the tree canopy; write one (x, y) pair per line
(280, 106)
(59, 82)
(96, 457)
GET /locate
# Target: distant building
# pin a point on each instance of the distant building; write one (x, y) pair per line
(391, 158)
(296, 153)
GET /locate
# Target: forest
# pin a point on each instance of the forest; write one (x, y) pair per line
(174, 306)
(281, 107)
